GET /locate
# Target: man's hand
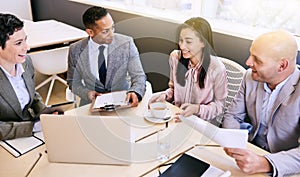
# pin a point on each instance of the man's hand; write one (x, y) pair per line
(132, 98)
(93, 94)
(189, 109)
(248, 161)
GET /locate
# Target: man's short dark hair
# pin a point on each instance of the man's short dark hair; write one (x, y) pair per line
(8, 25)
(93, 14)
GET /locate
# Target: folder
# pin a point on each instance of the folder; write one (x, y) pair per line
(110, 101)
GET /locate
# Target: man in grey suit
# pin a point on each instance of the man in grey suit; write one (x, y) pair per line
(122, 66)
(269, 99)
(20, 104)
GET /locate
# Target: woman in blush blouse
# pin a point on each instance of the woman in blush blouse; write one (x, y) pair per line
(198, 80)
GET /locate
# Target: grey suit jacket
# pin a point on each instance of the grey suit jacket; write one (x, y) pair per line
(284, 129)
(15, 122)
(123, 57)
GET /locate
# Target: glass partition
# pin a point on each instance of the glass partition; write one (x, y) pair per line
(266, 14)
(271, 14)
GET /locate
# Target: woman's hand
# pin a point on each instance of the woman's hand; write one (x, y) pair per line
(157, 98)
(176, 118)
(189, 109)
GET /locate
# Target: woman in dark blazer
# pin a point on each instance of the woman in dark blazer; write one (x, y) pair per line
(20, 105)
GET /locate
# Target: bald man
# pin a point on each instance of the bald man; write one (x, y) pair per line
(268, 105)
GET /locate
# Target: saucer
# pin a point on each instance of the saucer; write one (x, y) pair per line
(152, 119)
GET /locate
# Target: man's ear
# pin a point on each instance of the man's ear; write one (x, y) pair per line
(90, 32)
(283, 64)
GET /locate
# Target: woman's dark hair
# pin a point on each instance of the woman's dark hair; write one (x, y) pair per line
(8, 25)
(203, 30)
(93, 14)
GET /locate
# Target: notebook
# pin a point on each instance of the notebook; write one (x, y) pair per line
(19, 146)
(87, 139)
(191, 166)
(186, 166)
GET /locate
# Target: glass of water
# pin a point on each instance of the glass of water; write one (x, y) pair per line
(163, 144)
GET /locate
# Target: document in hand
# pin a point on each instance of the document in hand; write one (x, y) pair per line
(234, 138)
(110, 101)
(20, 146)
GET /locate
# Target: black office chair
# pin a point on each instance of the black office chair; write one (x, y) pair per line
(298, 58)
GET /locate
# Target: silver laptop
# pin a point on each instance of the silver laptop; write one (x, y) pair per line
(87, 139)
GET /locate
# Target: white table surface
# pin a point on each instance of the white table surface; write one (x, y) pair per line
(50, 32)
(183, 137)
(180, 142)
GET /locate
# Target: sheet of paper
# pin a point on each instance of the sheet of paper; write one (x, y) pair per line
(234, 138)
(113, 98)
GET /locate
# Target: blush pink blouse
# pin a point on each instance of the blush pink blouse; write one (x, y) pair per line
(211, 98)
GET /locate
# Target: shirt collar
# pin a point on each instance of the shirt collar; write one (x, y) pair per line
(198, 65)
(95, 46)
(278, 86)
(193, 71)
(19, 69)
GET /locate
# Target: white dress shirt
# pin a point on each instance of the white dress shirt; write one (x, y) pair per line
(93, 56)
(18, 84)
(267, 107)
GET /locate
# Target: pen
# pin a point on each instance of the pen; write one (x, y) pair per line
(34, 164)
(146, 136)
(209, 145)
(61, 104)
(225, 174)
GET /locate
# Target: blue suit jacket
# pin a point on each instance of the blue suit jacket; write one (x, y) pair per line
(122, 60)
(284, 129)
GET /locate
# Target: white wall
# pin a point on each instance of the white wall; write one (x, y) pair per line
(19, 8)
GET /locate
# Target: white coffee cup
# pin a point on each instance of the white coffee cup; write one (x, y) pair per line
(158, 110)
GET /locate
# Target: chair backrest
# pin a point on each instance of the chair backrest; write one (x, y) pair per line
(49, 62)
(235, 74)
